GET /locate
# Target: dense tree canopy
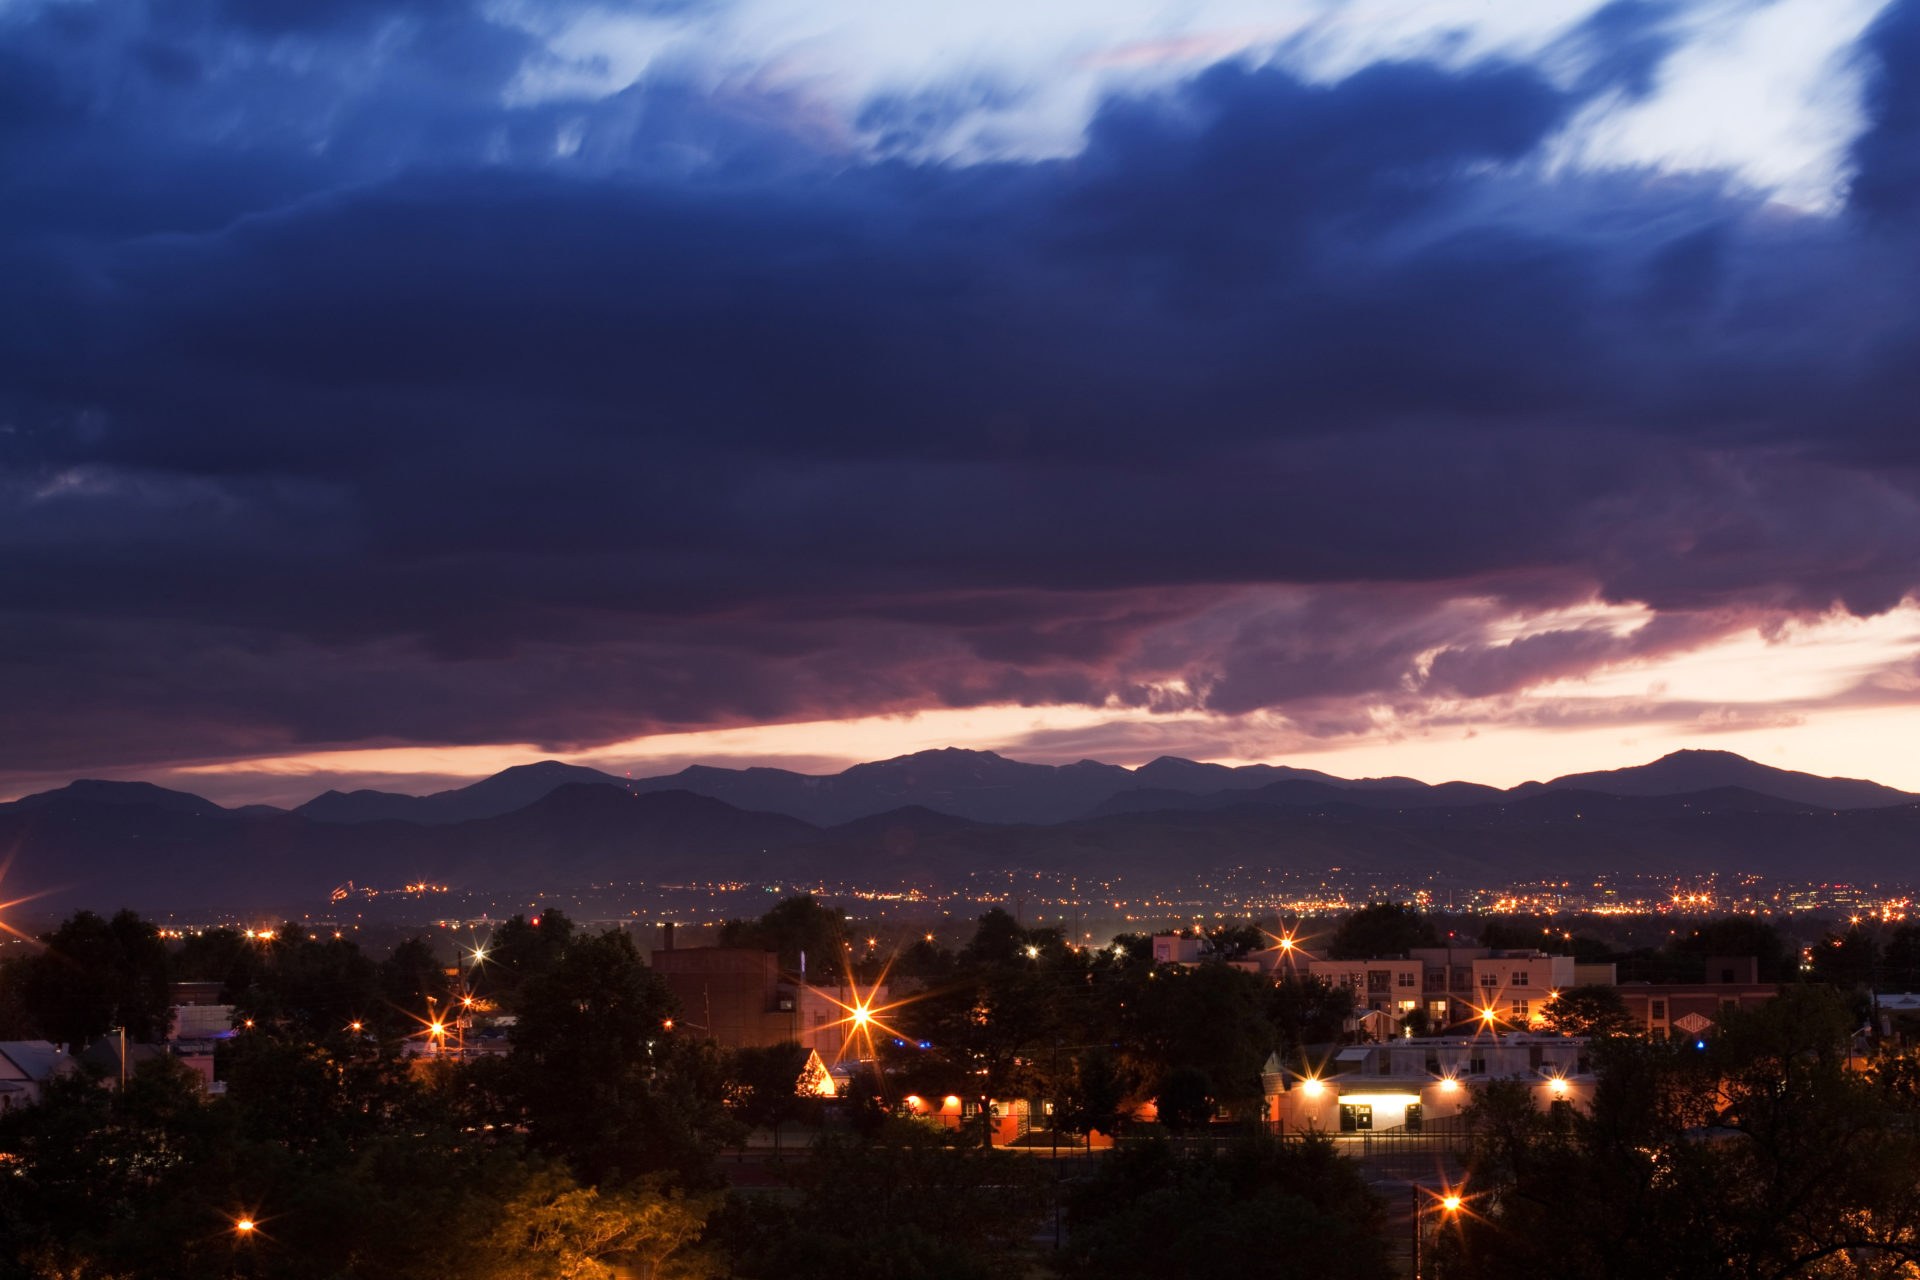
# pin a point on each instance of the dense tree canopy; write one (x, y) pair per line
(1381, 929)
(1760, 1155)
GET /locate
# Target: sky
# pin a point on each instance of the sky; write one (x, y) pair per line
(392, 392)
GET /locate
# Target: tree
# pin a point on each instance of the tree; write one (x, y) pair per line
(1185, 1100)
(1379, 930)
(1236, 941)
(1900, 966)
(1210, 1017)
(1590, 1011)
(316, 987)
(1761, 1154)
(913, 1202)
(1274, 1210)
(557, 1228)
(796, 926)
(521, 949)
(767, 1086)
(1095, 1097)
(1308, 1010)
(1736, 936)
(96, 975)
(413, 980)
(585, 1044)
(1846, 960)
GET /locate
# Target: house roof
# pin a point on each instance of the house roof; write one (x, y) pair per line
(36, 1059)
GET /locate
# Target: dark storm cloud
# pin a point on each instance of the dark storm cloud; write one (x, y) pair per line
(342, 403)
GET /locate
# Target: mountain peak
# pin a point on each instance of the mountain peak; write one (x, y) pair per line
(103, 791)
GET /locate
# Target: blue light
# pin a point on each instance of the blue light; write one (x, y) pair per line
(1699, 1044)
(926, 1044)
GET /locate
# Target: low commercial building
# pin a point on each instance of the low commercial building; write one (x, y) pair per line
(1411, 1082)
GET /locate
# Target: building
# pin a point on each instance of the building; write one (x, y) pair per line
(1393, 987)
(1683, 1009)
(740, 998)
(1408, 1083)
(1450, 986)
(1172, 948)
(25, 1068)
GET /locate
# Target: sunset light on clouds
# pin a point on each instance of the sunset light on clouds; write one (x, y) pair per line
(1450, 389)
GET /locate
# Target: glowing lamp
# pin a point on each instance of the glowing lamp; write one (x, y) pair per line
(860, 1016)
(243, 1226)
(1451, 1204)
(1312, 1087)
(1449, 1085)
(1559, 1088)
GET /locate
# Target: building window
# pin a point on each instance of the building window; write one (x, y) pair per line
(1377, 979)
(1409, 979)
(1519, 1010)
(1409, 1004)
(1519, 978)
(1476, 1066)
(1657, 1010)
(1437, 1010)
(1489, 980)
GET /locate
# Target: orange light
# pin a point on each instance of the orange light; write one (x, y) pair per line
(353, 1026)
(1559, 1087)
(860, 1015)
(1451, 1204)
(439, 1029)
(1286, 944)
(1449, 1085)
(668, 1024)
(913, 1100)
(1312, 1087)
(243, 1226)
(950, 1102)
(1486, 1015)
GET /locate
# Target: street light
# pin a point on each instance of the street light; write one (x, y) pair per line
(243, 1227)
(1450, 1203)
